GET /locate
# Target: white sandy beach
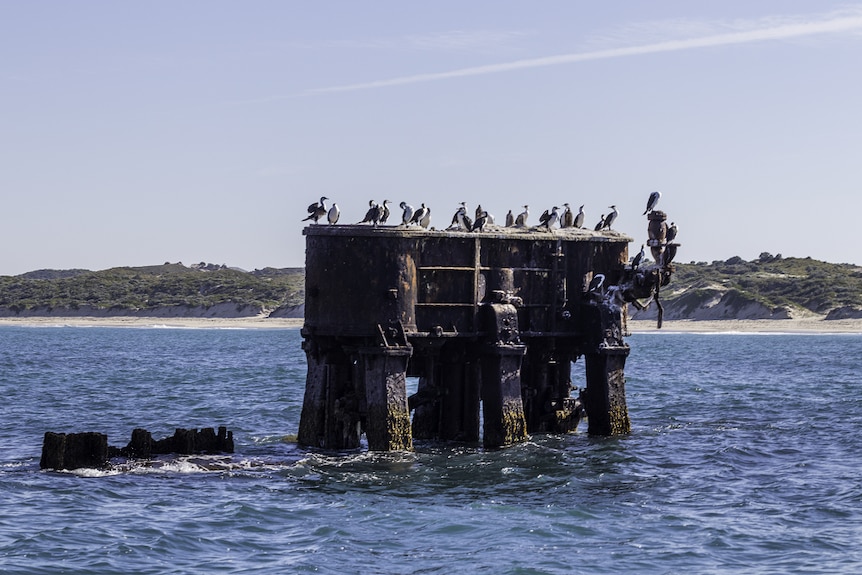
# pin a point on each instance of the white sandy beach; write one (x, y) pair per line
(182, 322)
(808, 325)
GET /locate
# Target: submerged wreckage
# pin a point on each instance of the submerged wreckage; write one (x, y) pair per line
(488, 320)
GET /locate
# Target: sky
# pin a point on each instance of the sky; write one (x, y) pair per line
(138, 133)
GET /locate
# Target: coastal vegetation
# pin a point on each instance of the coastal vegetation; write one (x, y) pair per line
(138, 290)
(768, 287)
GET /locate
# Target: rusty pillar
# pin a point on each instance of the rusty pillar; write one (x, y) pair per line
(502, 408)
(605, 397)
(387, 423)
(329, 418)
(657, 231)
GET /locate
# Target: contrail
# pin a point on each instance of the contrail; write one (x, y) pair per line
(828, 26)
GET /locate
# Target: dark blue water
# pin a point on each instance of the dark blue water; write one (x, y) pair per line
(744, 458)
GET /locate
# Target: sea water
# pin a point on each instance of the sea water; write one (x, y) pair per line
(744, 457)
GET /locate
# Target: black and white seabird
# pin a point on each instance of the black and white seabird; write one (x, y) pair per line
(668, 254)
(417, 216)
(464, 220)
(510, 219)
(480, 222)
(425, 219)
(549, 220)
(638, 258)
(521, 220)
(373, 213)
(651, 202)
(456, 217)
(609, 219)
(601, 224)
(596, 283)
(568, 219)
(316, 210)
(333, 214)
(407, 213)
(579, 219)
(671, 233)
(460, 220)
(384, 211)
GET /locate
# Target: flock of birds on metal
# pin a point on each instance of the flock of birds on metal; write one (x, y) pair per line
(378, 214)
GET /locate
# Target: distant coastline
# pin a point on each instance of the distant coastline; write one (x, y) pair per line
(154, 322)
(786, 326)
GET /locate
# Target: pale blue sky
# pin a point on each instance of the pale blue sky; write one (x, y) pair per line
(139, 133)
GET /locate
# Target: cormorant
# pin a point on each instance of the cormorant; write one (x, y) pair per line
(671, 233)
(419, 214)
(568, 219)
(638, 258)
(456, 221)
(601, 224)
(464, 220)
(510, 219)
(611, 217)
(549, 220)
(668, 255)
(333, 214)
(579, 219)
(425, 220)
(480, 222)
(521, 220)
(407, 214)
(461, 220)
(373, 213)
(384, 212)
(316, 210)
(651, 202)
(596, 283)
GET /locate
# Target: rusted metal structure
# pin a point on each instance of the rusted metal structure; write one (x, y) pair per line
(489, 321)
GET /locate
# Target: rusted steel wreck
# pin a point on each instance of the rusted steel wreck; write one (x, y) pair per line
(489, 321)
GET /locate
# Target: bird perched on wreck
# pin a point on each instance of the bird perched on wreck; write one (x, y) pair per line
(317, 210)
(479, 212)
(510, 219)
(579, 219)
(425, 216)
(567, 220)
(384, 211)
(549, 219)
(407, 213)
(668, 255)
(636, 261)
(601, 224)
(671, 233)
(333, 214)
(521, 220)
(417, 216)
(651, 202)
(596, 283)
(460, 220)
(609, 219)
(373, 213)
(480, 222)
